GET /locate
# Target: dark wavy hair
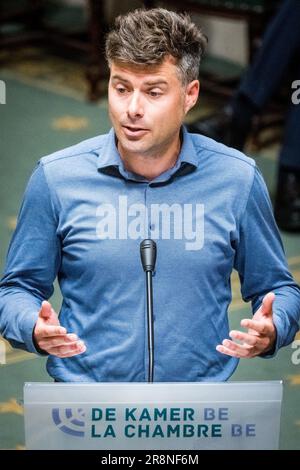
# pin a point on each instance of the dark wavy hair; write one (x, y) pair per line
(146, 37)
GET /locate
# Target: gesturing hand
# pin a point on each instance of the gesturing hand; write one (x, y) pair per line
(53, 338)
(261, 335)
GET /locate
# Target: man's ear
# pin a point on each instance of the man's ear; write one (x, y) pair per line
(191, 95)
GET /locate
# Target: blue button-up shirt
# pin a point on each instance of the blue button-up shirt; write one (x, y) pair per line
(82, 219)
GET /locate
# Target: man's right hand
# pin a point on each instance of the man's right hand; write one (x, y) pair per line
(53, 338)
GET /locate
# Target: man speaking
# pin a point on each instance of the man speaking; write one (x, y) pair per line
(87, 208)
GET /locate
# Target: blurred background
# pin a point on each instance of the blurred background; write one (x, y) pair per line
(53, 81)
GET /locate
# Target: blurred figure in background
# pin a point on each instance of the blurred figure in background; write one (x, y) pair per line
(280, 47)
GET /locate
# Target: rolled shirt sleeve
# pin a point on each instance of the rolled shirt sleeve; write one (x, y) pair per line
(32, 264)
(261, 264)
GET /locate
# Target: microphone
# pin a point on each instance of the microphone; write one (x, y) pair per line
(148, 258)
(148, 254)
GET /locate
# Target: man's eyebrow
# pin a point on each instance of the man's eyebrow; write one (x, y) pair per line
(118, 77)
(154, 82)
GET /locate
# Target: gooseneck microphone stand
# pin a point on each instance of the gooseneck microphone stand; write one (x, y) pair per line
(148, 258)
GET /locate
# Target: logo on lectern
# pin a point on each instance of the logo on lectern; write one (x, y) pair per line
(69, 421)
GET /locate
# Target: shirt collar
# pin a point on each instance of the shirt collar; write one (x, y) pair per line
(110, 162)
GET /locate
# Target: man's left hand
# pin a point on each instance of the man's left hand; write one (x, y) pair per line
(261, 335)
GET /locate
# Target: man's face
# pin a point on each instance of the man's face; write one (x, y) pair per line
(147, 107)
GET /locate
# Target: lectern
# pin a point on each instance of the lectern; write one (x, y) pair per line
(231, 415)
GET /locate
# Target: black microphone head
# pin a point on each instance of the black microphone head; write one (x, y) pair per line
(148, 254)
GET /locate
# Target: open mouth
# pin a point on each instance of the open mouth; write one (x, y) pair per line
(134, 131)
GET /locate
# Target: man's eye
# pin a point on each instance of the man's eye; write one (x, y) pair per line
(154, 94)
(121, 90)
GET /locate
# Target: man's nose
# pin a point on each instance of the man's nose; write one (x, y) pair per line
(135, 107)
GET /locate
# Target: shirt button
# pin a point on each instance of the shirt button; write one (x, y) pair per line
(152, 226)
